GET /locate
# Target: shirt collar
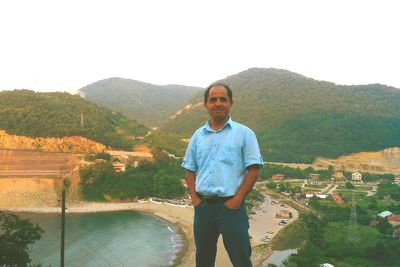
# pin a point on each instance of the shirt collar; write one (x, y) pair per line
(207, 127)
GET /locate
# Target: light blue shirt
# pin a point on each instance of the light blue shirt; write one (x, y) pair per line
(220, 158)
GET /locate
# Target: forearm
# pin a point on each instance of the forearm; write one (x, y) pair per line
(191, 183)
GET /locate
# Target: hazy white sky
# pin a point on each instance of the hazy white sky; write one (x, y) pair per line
(65, 45)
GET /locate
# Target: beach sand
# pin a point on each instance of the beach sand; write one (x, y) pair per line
(263, 220)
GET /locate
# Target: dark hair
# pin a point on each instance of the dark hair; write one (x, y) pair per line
(228, 91)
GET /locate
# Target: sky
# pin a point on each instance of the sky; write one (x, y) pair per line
(66, 45)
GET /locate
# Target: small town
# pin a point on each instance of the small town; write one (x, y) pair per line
(200, 133)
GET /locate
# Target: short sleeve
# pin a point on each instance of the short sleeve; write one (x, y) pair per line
(189, 160)
(252, 155)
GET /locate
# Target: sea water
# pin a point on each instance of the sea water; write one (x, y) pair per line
(278, 256)
(125, 238)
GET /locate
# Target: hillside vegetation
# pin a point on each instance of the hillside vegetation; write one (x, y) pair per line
(298, 119)
(24, 112)
(147, 103)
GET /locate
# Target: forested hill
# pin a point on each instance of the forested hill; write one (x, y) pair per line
(24, 112)
(147, 103)
(297, 118)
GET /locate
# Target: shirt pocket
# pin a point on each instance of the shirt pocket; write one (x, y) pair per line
(230, 154)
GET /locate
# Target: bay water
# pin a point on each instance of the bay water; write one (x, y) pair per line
(126, 238)
(278, 256)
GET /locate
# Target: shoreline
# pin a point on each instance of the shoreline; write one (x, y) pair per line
(182, 220)
(178, 217)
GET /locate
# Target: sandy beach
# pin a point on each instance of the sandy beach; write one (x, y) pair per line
(264, 220)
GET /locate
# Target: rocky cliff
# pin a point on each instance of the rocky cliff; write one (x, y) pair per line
(72, 144)
(30, 192)
(36, 179)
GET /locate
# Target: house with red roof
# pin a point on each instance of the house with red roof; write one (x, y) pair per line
(394, 220)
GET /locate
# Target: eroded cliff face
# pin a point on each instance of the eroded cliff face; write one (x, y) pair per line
(30, 192)
(36, 179)
(384, 161)
(72, 144)
(38, 192)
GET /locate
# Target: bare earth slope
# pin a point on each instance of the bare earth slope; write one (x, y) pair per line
(74, 144)
(35, 179)
(33, 171)
(384, 161)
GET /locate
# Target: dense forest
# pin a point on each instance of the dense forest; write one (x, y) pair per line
(24, 112)
(160, 178)
(147, 103)
(297, 119)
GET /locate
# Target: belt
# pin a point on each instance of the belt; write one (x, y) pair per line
(213, 199)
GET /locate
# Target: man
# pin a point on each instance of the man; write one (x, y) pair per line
(222, 164)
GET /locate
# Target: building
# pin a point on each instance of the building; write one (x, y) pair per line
(338, 199)
(277, 177)
(126, 154)
(317, 194)
(313, 178)
(339, 176)
(356, 176)
(397, 180)
(119, 167)
(385, 214)
(394, 220)
(309, 194)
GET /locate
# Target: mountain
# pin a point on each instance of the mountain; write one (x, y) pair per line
(148, 103)
(26, 113)
(298, 119)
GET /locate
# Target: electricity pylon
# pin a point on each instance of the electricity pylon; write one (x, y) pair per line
(352, 232)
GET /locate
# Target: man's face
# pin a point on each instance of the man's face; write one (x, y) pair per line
(218, 103)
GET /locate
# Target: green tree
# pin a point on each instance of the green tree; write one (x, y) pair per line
(349, 185)
(167, 186)
(378, 252)
(15, 236)
(384, 226)
(271, 185)
(330, 171)
(295, 190)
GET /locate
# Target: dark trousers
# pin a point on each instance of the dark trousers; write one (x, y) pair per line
(211, 220)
